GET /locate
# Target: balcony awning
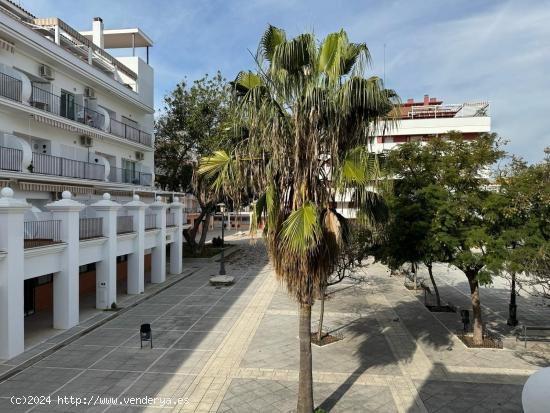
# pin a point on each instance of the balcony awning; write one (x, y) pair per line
(9, 46)
(64, 125)
(41, 187)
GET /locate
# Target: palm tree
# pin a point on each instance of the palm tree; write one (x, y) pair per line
(304, 120)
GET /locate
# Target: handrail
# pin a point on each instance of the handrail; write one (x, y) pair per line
(10, 87)
(39, 233)
(70, 168)
(123, 130)
(10, 159)
(129, 176)
(90, 228)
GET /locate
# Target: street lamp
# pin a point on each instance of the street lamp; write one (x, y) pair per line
(512, 307)
(222, 261)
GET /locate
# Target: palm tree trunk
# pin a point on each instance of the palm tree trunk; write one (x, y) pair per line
(305, 380)
(436, 290)
(321, 316)
(476, 308)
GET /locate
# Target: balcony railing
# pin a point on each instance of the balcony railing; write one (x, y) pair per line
(170, 219)
(150, 221)
(40, 233)
(131, 133)
(10, 87)
(10, 159)
(128, 176)
(124, 224)
(90, 228)
(54, 165)
(49, 102)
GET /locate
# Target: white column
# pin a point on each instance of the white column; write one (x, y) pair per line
(176, 253)
(136, 261)
(158, 254)
(12, 325)
(106, 269)
(66, 294)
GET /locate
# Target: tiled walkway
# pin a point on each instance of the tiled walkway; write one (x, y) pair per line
(235, 349)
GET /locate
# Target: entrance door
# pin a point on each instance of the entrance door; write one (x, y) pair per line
(29, 296)
(67, 105)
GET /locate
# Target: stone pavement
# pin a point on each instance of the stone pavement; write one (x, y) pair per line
(235, 349)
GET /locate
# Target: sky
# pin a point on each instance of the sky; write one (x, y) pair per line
(458, 51)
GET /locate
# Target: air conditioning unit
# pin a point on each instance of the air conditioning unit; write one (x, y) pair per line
(89, 92)
(86, 141)
(46, 72)
(140, 156)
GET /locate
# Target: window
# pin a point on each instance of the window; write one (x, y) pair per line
(66, 108)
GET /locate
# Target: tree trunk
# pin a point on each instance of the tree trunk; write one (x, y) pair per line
(321, 316)
(437, 297)
(476, 307)
(305, 380)
(199, 247)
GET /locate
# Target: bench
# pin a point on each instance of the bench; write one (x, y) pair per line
(536, 332)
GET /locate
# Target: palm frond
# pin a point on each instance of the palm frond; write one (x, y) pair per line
(301, 230)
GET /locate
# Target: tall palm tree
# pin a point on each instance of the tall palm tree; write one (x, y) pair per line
(304, 120)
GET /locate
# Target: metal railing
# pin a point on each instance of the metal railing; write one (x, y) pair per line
(90, 228)
(129, 132)
(124, 224)
(129, 176)
(10, 159)
(40, 233)
(464, 110)
(150, 221)
(10, 87)
(54, 165)
(170, 219)
(49, 102)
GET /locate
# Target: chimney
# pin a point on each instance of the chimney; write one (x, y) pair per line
(410, 100)
(433, 100)
(426, 99)
(97, 32)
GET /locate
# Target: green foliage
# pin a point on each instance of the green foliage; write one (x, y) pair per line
(190, 126)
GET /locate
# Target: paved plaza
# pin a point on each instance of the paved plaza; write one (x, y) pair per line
(235, 349)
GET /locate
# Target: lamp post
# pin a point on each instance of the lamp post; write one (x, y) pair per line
(512, 308)
(222, 260)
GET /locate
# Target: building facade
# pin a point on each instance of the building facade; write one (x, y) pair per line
(80, 220)
(419, 122)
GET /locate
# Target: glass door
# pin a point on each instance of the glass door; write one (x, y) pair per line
(67, 105)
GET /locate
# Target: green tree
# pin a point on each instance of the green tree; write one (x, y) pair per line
(413, 204)
(461, 228)
(520, 236)
(305, 117)
(192, 125)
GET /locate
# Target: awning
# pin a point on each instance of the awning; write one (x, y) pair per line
(9, 46)
(40, 187)
(66, 126)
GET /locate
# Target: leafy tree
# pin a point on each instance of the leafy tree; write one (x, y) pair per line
(461, 228)
(192, 125)
(413, 204)
(304, 117)
(520, 213)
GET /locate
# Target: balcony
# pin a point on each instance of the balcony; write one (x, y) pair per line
(124, 224)
(128, 176)
(130, 133)
(49, 102)
(90, 228)
(41, 233)
(10, 159)
(170, 219)
(54, 165)
(10, 87)
(150, 221)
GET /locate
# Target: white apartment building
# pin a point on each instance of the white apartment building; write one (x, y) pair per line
(420, 122)
(76, 164)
